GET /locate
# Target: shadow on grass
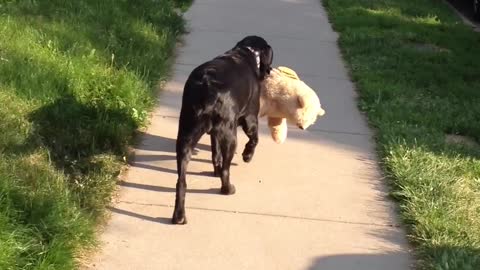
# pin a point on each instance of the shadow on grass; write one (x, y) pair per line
(74, 131)
(85, 114)
(79, 71)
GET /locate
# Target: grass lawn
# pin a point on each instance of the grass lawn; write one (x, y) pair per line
(77, 78)
(417, 70)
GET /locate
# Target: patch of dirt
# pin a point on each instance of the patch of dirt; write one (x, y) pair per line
(463, 140)
(426, 47)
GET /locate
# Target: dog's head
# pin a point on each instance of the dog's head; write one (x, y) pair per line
(265, 53)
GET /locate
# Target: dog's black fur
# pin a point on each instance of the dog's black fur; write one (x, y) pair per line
(218, 96)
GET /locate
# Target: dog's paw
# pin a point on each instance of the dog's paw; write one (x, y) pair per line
(228, 190)
(247, 156)
(179, 219)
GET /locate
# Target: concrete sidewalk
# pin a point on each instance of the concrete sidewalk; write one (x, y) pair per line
(315, 202)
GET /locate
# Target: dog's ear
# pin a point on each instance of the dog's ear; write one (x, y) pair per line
(266, 59)
(265, 53)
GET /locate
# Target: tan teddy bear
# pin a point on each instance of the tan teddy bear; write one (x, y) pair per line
(285, 98)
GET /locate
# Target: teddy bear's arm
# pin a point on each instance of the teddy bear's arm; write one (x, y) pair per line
(278, 128)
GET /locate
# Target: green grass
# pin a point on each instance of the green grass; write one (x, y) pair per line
(417, 70)
(77, 78)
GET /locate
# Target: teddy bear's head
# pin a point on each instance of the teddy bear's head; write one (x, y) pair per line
(285, 98)
(308, 107)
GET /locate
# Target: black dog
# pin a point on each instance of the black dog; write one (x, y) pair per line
(218, 96)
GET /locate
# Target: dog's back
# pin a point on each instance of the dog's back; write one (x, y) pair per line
(214, 89)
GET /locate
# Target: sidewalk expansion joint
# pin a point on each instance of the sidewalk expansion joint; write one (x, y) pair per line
(326, 220)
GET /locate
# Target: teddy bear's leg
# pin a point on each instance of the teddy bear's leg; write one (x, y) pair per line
(278, 129)
(216, 156)
(250, 127)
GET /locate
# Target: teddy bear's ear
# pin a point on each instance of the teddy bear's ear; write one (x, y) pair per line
(301, 101)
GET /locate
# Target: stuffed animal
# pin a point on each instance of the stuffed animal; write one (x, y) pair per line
(285, 98)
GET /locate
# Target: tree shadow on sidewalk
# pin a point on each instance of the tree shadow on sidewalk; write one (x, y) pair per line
(374, 261)
(465, 260)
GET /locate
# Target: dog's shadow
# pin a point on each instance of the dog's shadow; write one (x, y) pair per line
(166, 163)
(162, 159)
(150, 142)
(161, 220)
(161, 162)
(165, 189)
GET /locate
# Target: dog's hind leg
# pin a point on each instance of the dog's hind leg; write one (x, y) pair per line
(228, 145)
(185, 145)
(216, 155)
(250, 127)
